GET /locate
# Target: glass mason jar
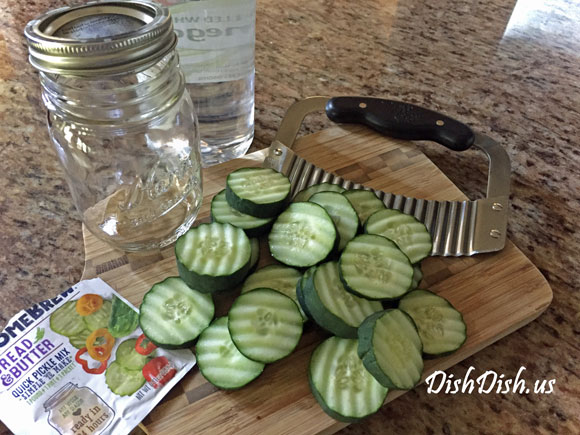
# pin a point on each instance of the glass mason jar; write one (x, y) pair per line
(120, 119)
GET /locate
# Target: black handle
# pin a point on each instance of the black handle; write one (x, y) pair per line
(401, 120)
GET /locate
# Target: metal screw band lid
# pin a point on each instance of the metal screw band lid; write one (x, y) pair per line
(104, 37)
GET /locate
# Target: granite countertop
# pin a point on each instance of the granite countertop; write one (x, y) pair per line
(509, 69)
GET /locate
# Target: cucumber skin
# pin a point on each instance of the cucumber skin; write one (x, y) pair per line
(360, 295)
(332, 254)
(365, 231)
(212, 284)
(323, 317)
(250, 232)
(325, 407)
(366, 352)
(301, 299)
(253, 265)
(297, 343)
(183, 345)
(220, 386)
(439, 355)
(253, 209)
(208, 283)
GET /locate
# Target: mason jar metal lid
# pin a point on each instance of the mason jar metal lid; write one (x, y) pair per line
(104, 37)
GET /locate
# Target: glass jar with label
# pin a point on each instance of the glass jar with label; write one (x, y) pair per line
(120, 119)
(216, 50)
(74, 409)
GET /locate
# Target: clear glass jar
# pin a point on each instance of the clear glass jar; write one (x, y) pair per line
(126, 136)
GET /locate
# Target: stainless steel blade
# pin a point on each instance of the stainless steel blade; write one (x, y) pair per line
(458, 228)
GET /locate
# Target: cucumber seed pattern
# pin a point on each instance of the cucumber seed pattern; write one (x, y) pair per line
(349, 373)
(265, 325)
(373, 265)
(175, 309)
(264, 321)
(431, 325)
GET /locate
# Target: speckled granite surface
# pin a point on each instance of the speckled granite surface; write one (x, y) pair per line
(508, 69)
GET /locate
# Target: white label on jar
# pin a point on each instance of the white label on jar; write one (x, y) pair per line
(98, 26)
(216, 39)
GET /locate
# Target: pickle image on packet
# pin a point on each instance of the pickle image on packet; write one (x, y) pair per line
(79, 363)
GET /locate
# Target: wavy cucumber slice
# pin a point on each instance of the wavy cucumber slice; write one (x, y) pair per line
(390, 349)
(213, 257)
(342, 214)
(66, 321)
(340, 383)
(220, 362)
(303, 235)
(333, 307)
(172, 314)
(222, 212)
(123, 382)
(265, 325)
(410, 235)
(276, 277)
(304, 195)
(364, 202)
(129, 358)
(259, 192)
(374, 267)
(441, 326)
(100, 318)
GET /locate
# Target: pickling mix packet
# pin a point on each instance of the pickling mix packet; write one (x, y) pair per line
(79, 364)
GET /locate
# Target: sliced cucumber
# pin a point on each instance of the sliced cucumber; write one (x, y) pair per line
(410, 235)
(304, 195)
(259, 192)
(375, 268)
(123, 382)
(220, 362)
(100, 318)
(417, 276)
(129, 358)
(390, 349)
(80, 340)
(66, 321)
(222, 212)
(276, 277)
(303, 235)
(364, 202)
(331, 306)
(342, 214)
(265, 325)
(213, 257)
(300, 292)
(441, 326)
(255, 256)
(172, 315)
(340, 383)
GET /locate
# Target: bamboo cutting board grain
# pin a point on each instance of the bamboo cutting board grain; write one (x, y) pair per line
(497, 293)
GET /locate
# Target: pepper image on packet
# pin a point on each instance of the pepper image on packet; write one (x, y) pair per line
(79, 364)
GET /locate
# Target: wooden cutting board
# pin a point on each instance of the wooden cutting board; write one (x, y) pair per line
(497, 293)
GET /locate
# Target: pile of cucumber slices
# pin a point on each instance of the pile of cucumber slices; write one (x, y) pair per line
(344, 261)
